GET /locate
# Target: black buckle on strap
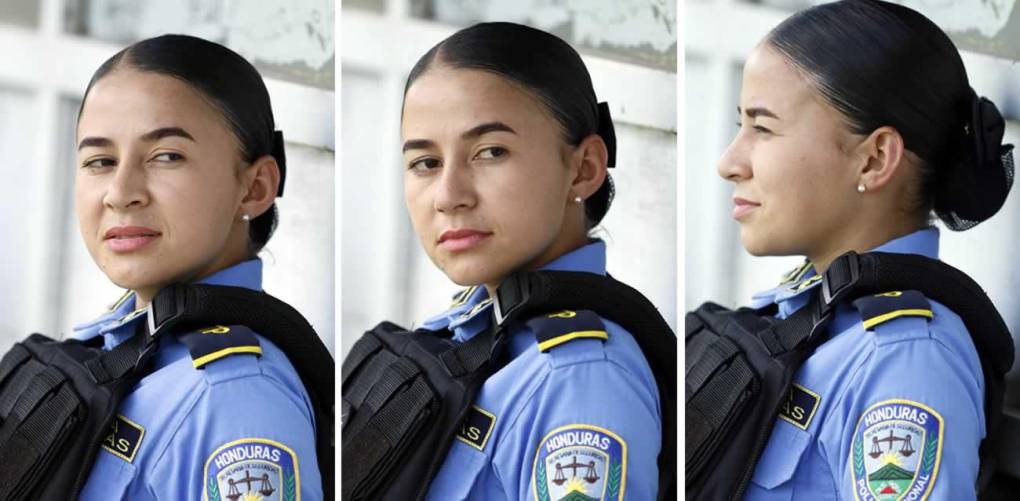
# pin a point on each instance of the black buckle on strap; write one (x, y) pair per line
(843, 273)
(513, 293)
(165, 309)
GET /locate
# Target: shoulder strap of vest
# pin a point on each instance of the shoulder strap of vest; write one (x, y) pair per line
(180, 307)
(528, 294)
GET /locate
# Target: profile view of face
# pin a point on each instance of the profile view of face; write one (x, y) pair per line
(794, 183)
(157, 188)
(486, 178)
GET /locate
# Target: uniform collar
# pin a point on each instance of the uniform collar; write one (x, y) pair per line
(924, 242)
(247, 274)
(469, 313)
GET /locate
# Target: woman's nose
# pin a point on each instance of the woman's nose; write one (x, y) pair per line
(734, 164)
(127, 186)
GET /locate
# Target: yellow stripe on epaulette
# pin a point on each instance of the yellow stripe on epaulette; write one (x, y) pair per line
(885, 317)
(216, 355)
(563, 338)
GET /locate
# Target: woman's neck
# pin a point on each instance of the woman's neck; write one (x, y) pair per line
(860, 239)
(558, 248)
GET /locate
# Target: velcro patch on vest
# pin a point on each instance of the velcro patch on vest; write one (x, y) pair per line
(799, 407)
(554, 329)
(887, 306)
(252, 468)
(896, 451)
(218, 341)
(580, 461)
(123, 438)
(476, 428)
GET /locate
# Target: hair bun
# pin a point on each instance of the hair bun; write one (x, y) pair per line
(978, 185)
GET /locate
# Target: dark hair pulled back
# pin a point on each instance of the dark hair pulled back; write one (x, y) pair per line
(547, 67)
(881, 64)
(231, 84)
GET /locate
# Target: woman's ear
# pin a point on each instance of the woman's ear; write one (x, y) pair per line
(590, 159)
(881, 155)
(261, 179)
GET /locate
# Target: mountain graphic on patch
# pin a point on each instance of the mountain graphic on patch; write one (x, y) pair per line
(891, 472)
(577, 496)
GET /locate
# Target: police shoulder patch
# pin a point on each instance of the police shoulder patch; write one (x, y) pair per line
(252, 469)
(580, 462)
(123, 438)
(896, 451)
(554, 329)
(881, 308)
(215, 342)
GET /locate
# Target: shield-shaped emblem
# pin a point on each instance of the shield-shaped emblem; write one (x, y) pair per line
(896, 450)
(252, 469)
(580, 463)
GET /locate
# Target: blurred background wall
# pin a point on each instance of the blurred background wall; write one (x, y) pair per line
(719, 36)
(49, 50)
(629, 47)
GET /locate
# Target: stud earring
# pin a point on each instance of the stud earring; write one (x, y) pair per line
(578, 199)
(246, 218)
(861, 188)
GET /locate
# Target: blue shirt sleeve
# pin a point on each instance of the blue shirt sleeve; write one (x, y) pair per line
(591, 426)
(247, 433)
(911, 418)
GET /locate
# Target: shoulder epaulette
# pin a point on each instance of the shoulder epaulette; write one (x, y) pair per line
(218, 341)
(881, 308)
(462, 296)
(795, 274)
(554, 329)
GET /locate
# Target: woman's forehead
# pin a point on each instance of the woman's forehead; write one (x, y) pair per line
(771, 81)
(130, 100)
(460, 99)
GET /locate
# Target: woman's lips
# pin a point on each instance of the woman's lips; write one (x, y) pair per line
(462, 240)
(742, 207)
(129, 238)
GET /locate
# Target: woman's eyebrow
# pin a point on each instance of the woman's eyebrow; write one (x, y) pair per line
(485, 128)
(418, 144)
(150, 136)
(758, 111)
(163, 132)
(97, 142)
(476, 131)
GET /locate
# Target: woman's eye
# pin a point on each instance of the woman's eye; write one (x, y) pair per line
(491, 153)
(98, 163)
(762, 129)
(423, 164)
(168, 157)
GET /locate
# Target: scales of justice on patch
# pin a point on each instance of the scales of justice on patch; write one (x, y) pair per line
(580, 463)
(252, 469)
(897, 447)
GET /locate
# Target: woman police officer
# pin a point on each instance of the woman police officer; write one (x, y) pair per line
(856, 121)
(178, 170)
(505, 149)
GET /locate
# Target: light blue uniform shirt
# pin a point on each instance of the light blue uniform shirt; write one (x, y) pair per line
(582, 417)
(240, 424)
(893, 410)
